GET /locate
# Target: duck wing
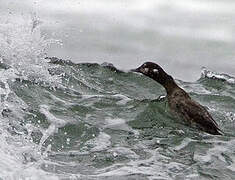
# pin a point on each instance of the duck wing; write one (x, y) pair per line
(193, 112)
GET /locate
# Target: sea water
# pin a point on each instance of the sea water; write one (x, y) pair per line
(66, 120)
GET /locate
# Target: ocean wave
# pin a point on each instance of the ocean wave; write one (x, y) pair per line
(205, 73)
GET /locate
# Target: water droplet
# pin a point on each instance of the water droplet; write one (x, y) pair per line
(115, 154)
(68, 140)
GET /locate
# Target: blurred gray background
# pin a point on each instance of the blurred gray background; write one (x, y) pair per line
(182, 36)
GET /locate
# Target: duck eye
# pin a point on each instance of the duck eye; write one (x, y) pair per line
(155, 71)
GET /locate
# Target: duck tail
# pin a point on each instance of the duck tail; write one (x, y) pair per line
(217, 131)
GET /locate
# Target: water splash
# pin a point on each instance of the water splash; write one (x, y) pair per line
(22, 51)
(23, 48)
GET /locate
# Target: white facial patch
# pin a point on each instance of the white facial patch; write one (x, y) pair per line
(146, 70)
(155, 71)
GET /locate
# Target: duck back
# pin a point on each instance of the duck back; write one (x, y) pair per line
(192, 112)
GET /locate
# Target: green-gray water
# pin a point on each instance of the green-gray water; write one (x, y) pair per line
(101, 123)
(86, 121)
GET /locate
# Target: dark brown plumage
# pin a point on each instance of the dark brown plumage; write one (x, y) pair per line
(180, 103)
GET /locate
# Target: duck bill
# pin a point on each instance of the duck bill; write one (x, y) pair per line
(136, 70)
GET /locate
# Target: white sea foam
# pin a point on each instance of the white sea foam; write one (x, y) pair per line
(110, 122)
(22, 49)
(101, 142)
(205, 73)
(13, 162)
(123, 100)
(118, 124)
(55, 123)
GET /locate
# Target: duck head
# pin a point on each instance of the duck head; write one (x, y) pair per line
(155, 72)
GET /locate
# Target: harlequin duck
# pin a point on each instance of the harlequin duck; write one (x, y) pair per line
(180, 103)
